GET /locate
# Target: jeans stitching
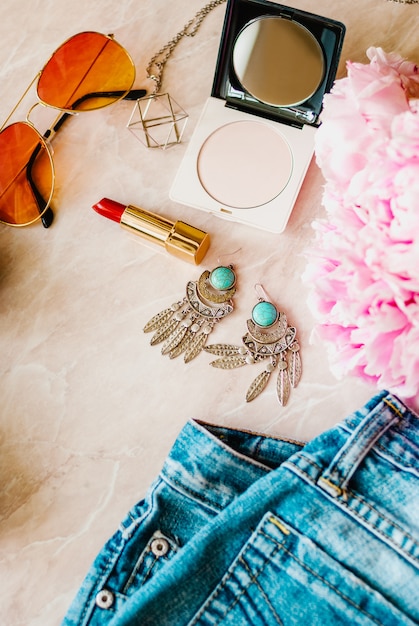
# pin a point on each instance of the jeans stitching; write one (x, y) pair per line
(148, 505)
(392, 523)
(398, 458)
(153, 562)
(89, 604)
(262, 591)
(308, 460)
(147, 575)
(319, 577)
(134, 573)
(224, 581)
(182, 488)
(344, 504)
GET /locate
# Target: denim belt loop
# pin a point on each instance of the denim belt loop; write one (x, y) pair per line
(335, 478)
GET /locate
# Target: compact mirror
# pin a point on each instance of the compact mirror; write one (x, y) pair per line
(278, 61)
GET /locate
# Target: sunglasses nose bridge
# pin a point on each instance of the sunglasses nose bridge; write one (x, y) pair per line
(51, 125)
(30, 110)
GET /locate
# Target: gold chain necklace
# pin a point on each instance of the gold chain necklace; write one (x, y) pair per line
(157, 62)
(157, 120)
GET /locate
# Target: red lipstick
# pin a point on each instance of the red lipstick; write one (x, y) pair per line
(178, 238)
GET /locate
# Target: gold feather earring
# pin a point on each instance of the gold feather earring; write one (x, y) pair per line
(185, 325)
(269, 338)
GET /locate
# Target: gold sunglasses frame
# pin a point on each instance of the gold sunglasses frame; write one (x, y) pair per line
(46, 215)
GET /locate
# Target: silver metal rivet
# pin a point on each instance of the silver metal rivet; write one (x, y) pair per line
(105, 599)
(159, 546)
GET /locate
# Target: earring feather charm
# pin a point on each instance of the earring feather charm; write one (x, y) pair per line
(184, 327)
(268, 338)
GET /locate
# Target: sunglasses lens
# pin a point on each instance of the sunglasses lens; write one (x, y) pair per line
(26, 175)
(88, 71)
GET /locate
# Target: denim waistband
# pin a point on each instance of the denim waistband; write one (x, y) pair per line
(214, 464)
(384, 424)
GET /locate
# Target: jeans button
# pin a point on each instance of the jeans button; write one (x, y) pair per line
(105, 599)
(159, 546)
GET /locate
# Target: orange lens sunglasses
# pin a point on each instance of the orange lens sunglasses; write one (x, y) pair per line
(87, 72)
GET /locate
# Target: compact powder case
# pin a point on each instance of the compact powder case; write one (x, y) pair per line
(254, 141)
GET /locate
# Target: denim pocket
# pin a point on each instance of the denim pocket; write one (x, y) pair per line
(282, 577)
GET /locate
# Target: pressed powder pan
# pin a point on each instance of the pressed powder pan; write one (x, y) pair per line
(244, 164)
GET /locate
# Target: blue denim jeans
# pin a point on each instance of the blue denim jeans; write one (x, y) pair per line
(245, 529)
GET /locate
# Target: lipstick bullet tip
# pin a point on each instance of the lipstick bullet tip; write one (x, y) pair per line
(109, 208)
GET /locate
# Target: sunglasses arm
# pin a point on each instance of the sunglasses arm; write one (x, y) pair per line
(48, 215)
(134, 94)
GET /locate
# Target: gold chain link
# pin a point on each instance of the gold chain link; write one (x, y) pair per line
(157, 62)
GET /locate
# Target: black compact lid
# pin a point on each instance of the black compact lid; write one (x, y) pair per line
(243, 23)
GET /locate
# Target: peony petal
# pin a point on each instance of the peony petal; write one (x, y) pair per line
(362, 267)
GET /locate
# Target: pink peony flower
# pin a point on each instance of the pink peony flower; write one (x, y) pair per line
(362, 272)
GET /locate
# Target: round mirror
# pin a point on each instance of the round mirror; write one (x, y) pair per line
(279, 62)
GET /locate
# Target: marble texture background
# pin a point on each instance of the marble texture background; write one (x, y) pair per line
(88, 409)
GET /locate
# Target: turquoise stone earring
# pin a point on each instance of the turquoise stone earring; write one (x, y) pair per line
(183, 328)
(268, 338)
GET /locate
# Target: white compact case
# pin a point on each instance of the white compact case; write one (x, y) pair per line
(251, 148)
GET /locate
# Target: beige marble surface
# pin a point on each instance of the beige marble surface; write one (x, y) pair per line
(88, 409)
